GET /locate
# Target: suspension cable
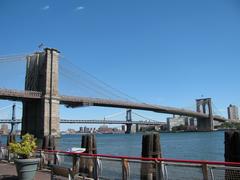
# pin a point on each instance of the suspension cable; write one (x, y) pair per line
(101, 82)
(145, 117)
(92, 85)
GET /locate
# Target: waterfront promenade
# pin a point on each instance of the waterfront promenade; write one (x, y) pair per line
(8, 172)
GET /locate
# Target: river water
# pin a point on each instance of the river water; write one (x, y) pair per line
(187, 145)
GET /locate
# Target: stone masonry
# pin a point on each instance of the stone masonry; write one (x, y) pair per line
(41, 117)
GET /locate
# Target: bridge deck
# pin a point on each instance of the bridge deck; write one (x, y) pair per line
(76, 121)
(72, 101)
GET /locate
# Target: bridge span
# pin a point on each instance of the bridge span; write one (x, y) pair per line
(75, 101)
(91, 121)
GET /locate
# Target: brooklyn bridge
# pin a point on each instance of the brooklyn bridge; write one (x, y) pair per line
(41, 99)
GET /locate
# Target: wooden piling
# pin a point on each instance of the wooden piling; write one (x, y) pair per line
(232, 146)
(150, 149)
(52, 143)
(45, 142)
(87, 164)
(49, 143)
(89, 142)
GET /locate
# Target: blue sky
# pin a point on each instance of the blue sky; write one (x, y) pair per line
(162, 52)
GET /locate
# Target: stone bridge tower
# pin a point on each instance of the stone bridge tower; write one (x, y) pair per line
(41, 117)
(205, 106)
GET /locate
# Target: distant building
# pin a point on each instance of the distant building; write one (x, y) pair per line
(86, 129)
(105, 129)
(133, 128)
(189, 122)
(233, 112)
(71, 131)
(143, 127)
(81, 130)
(4, 129)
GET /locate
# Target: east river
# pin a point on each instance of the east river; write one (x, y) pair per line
(187, 145)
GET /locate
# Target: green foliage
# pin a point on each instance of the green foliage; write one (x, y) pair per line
(231, 125)
(179, 128)
(25, 148)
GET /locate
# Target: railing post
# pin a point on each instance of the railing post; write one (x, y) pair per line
(8, 155)
(42, 159)
(96, 168)
(75, 163)
(125, 170)
(205, 171)
(10, 139)
(159, 170)
(56, 158)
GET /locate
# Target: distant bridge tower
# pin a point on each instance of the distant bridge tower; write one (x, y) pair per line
(13, 124)
(205, 106)
(41, 117)
(129, 119)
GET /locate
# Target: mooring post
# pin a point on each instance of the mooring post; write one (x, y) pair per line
(87, 163)
(232, 151)
(45, 142)
(49, 143)
(232, 146)
(150, 149)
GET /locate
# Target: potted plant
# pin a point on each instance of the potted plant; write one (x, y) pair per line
(26, 165)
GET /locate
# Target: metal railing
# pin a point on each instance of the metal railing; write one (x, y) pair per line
(106, 167)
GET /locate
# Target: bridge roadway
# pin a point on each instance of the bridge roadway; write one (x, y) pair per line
(74, 101)
(68, 121)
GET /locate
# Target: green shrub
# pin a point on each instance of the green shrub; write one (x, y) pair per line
(25, 148)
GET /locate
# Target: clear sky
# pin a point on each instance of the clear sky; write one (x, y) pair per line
(166, 52)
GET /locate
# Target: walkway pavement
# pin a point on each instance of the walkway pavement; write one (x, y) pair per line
(8, 172)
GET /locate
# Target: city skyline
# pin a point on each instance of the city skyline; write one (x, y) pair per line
(159, 52)
(6, 113)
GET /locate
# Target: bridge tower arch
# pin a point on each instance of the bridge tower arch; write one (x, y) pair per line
(205, 106)
(129, 119)
(41, 117)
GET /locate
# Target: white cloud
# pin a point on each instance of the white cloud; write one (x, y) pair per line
(46, 7)
(79, 8)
